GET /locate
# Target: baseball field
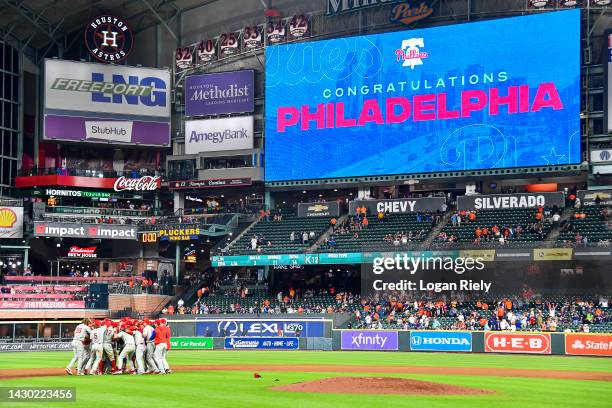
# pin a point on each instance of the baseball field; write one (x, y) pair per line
(302, 379)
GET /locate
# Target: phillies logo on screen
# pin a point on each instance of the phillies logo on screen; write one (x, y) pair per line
(411, 52)
(109, 38)
(145, 183)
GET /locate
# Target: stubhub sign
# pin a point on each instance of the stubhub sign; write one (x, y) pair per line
(440, 341)
(84, 100)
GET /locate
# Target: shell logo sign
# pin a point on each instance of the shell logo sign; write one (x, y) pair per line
(7, 218)
(11, 222)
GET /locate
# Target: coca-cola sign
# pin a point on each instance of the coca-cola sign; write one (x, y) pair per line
(145, 183)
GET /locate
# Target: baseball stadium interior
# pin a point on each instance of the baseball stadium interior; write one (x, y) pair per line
(304, 175)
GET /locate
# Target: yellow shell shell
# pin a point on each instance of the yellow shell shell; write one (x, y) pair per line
(7, 217)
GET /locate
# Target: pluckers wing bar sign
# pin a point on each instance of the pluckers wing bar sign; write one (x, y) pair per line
(184, 184)
(109, 38)
(509, 201)
(179, 234)
(144, 183)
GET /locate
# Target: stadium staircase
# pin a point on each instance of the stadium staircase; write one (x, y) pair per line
(326, 234)
(555, 231)
(426, 244)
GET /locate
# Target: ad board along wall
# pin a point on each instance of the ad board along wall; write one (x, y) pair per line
(100, 103)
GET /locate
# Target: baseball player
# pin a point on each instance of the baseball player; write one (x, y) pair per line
(102, 345)
(129, 346)
(140, 348)
(162, 345)
(81, 334)
(149, 335)
(97, 341)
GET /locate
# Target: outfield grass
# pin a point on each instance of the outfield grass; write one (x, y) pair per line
(240, 389)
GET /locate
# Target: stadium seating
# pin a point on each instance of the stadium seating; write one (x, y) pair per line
(593, 226)
(278, 234)
(500, 218)
(372, 238)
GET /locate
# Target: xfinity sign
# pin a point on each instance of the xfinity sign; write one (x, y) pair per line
(440, 341)
(373, 340)
(213, 135)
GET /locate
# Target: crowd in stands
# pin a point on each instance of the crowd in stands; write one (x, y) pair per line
(464, 311)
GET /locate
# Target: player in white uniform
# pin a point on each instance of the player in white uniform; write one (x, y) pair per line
(97, 348)
(81, 334)
(149, 334)
(140, 349)
(129, 346)
(103, 345)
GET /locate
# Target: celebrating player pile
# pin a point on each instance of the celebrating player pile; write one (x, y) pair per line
(116, 347)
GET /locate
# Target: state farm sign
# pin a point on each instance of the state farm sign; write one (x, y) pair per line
(145, 183)
(533, 343)
(588, 344)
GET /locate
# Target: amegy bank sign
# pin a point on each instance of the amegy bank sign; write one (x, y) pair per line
(73, 230)
(99, 103)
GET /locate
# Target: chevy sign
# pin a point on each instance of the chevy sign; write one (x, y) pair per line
(102, 103)
(214, 135)
(440, 341)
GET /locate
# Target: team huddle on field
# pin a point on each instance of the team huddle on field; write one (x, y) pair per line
(127, 346)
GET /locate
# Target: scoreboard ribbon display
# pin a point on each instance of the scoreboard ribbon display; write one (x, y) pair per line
(485, 95)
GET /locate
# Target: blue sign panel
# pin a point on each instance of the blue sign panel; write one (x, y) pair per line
(260, 328)
(279, 343)
(495, 94)
(440, 341)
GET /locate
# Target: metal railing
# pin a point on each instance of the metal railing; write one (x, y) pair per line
(52, 171)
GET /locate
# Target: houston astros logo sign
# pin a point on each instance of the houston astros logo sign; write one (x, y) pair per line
(109, 38)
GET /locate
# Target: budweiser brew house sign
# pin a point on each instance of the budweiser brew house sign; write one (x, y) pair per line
(145, 183)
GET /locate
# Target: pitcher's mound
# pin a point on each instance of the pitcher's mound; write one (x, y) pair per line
(377, 385)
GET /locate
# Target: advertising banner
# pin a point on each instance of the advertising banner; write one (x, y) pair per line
(440, 341)
(71, 193)
(191, 343)
(599, 156)
(179, 234)
(50, 346)
(588, 344)
(377, 340)
(214, 135)
(608, 59)
(552, 254)
(212, 183)
(78, 252)
(399, 205)
(261, 328)
(504, 342)
(600, 197)
(11, 222)
(74, 230)
(325, 209)
(509, 201)
(269, 343)
(500, 101)
(220, 93)
(42, 304)
(103, 103)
